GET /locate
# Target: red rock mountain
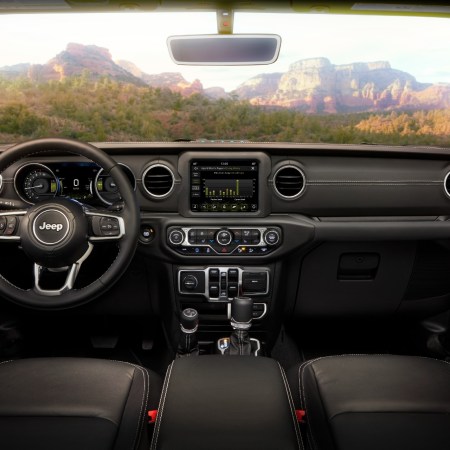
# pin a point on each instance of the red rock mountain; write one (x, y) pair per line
(311, 85)
(173, 81)
(317, 86)
(75, 60)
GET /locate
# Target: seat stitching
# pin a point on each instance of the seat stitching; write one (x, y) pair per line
(141, 416)
(302, 386)
(145, 391)
(310, 435)
(433, 413)
(10, 360)
(291, 407)
(161, 407)
(303, 366)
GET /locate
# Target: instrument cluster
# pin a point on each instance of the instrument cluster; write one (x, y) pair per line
(83, 181)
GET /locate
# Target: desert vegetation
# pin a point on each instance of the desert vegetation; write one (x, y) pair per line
(107, 110)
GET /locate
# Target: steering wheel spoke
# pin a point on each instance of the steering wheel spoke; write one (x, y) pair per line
(9, 225)
(72, 273)
(105, 226)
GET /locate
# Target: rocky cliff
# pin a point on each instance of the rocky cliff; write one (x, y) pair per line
(76, 59)
(96, 61)
(173, 81)
(311, 85)
(317, 86)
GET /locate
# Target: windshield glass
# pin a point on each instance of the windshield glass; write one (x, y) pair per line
(339, 79)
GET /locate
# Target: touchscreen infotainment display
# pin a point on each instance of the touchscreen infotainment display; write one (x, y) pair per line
(224, 186)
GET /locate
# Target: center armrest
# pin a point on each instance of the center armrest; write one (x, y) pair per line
(217, 402)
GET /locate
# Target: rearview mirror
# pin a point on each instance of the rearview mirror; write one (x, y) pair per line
(224, 50)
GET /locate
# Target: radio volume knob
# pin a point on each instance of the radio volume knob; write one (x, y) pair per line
(271, 237)
(224, 237)
(176, 237)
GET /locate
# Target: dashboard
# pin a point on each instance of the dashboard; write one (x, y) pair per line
(335, 230)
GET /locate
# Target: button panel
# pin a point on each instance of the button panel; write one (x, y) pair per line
(233, 241)
(222, 284)
(9, 225)
(105, 226)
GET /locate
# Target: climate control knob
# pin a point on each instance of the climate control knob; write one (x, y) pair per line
(271, 237)
(224, 237)
(176, 237)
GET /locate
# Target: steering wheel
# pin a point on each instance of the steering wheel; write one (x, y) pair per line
(59, 234)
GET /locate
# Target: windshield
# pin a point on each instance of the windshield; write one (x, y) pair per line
(338, 79)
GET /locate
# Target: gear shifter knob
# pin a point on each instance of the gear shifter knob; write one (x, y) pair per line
(188, 343)
(241, 313)
(189, 320)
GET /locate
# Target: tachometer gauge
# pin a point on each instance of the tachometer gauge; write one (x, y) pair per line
(106, 188)
(35, 183)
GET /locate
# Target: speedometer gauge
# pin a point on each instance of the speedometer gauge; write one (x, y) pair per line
(106, 188)
(36, 182)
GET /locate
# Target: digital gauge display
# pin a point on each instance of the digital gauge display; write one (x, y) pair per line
(80, 180)
(224, 186)
(76, 179)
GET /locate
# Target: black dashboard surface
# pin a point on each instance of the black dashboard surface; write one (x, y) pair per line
(339, 181)
(385, 204)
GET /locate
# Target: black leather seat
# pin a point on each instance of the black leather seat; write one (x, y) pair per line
(74, 404)
(373, 402)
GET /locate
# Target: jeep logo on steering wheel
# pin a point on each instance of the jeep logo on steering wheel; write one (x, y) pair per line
(51, 226)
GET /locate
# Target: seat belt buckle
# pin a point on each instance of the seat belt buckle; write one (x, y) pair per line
(301, 415)
(152, 416)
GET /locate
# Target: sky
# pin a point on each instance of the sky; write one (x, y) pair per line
(420, 46)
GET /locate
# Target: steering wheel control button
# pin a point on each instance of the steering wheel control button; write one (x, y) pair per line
(2, 224)
(272, 237)
(176, 237)
(224, 237)
(11, 225)
(50, 227)
(109, 226)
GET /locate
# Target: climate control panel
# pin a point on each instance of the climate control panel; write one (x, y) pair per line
(233, 241)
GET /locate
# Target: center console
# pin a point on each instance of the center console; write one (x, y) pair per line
(223, 243)
(222, 403)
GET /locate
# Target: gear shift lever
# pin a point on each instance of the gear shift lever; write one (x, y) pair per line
(241, 322)
(188, 344)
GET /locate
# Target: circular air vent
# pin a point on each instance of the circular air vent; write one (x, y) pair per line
(158, 180)
(289, 182)
(447, 184)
